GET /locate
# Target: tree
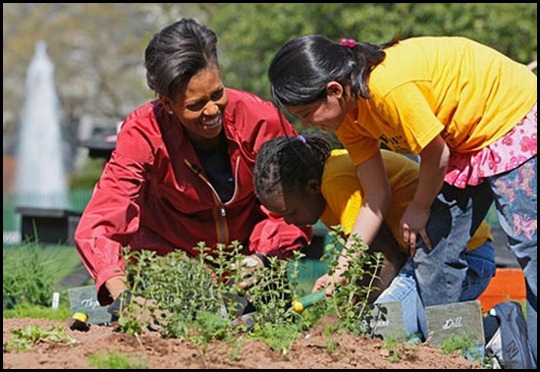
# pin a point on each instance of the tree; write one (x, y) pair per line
(250, 34)
(98, 48)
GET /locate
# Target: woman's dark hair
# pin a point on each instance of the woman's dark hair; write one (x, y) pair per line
(301, 69)
(291, 162)
(178, 52)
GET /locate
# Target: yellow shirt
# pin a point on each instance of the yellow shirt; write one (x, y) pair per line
(344, 194)
(468, 93)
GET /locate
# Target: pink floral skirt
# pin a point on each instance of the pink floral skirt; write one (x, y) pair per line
(508, 152)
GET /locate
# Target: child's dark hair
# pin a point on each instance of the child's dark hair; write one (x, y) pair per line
(301, 69)
(291, 162)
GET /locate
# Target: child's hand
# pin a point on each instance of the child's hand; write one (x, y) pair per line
(329, 282)
(413, 223)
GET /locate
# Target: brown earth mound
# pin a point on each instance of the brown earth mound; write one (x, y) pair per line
(313, 350)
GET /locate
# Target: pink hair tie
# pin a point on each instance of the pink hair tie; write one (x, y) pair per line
(351, 43)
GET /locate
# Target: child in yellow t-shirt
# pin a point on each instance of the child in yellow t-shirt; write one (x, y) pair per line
(303, 180)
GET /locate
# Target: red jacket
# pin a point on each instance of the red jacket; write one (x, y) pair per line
(153, 194)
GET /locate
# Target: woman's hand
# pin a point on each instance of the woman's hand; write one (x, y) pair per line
(116, 285)
(249, 267)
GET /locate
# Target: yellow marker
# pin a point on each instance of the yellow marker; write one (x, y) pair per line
(298, 306)
(81, 315)
(79, 320)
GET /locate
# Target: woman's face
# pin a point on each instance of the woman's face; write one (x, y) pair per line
(201, 105)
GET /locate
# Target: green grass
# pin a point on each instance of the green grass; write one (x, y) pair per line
(60, 261)
(31, 273)
(26, 310)
(116, 360)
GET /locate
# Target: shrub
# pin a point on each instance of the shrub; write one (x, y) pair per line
(198, 298)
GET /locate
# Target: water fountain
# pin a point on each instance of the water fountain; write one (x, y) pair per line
(41, 188)
(40, 179)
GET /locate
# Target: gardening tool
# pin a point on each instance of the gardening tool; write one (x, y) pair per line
(245, 311)
(302, 303)
(79, 320)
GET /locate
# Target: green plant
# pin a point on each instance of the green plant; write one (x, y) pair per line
(236, 348)
(30, 335)
(279, 337)
(179, 289)
(465, 345)
(350, 299)
(331, 344)
(197, 298)
(204, 328)
(398, 350)
(274, 290)
(116, 360)
(31, 271)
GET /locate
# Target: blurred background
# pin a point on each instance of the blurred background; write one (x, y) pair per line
(95, 58)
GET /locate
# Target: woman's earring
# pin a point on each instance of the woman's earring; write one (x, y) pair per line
(171, 112)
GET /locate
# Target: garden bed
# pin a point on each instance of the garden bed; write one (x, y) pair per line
(314, 350)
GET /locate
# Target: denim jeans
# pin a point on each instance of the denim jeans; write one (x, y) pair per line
(456, 214)
(481, 268)
(515, 200)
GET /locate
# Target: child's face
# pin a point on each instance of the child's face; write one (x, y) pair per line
(297, 208)
(326, 114)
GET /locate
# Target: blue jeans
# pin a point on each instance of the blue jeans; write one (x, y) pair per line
(515, 199)
(481, 268)
(457, 213)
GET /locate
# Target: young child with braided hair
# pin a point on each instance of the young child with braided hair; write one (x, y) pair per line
(302, 179)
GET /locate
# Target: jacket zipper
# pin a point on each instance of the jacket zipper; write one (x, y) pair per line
(222, 228)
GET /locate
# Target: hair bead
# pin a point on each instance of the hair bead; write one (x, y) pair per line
(351, 43)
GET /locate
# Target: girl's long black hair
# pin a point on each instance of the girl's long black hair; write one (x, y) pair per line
(301, 69)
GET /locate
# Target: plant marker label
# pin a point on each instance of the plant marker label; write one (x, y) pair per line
(55, 300)
(462, 319)
(386, 321)
(86, 297)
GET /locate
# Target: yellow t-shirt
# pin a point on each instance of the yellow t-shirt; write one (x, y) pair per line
(468, 93)
(344, 194)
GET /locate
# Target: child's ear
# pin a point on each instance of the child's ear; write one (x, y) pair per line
(334, 89)
(313, 187)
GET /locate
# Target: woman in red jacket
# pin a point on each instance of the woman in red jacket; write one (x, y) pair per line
(181, 172)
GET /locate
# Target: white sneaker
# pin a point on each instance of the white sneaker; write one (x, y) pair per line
(509, 345)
